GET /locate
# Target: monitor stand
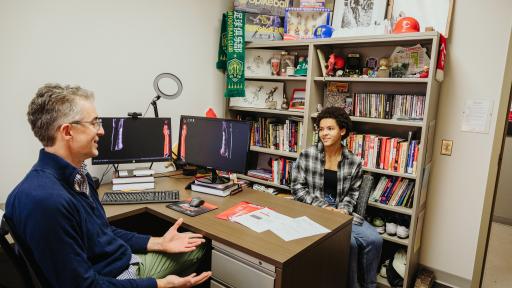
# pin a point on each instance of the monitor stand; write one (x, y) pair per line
(214, 178)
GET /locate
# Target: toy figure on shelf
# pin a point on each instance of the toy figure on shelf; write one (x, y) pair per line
(383, 71)
(335, 63)
(425, 72)
(302, 67)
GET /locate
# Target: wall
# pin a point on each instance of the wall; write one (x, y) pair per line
(503, 204)
(115, 48)
(476, 63)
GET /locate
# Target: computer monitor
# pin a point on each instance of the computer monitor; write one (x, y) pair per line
(134, 140)
(219, 144)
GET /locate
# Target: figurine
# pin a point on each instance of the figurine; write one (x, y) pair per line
(284, 105)
(383, 71)
(335, 63)
(302, 67)
(425, 72)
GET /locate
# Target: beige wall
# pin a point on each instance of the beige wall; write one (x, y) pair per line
(503, 204)
(113, 47)
(476, 61)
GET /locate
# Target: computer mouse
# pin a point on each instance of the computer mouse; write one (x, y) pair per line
(196, 202)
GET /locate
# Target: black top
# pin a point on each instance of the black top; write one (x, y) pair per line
(330, 186)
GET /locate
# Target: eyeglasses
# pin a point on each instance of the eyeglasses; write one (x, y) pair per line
(96, 123)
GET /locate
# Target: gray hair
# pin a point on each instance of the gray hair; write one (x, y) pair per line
(54, 105)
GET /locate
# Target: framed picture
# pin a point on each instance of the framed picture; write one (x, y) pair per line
(359, 17)
(336, 95)
(260, 94)
(298, 100)
(257, 61)
(300, 22)
(434, 13)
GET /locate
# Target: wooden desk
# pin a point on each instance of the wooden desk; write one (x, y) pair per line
(316, 261)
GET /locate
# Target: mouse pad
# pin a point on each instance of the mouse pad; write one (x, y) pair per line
(185, 208)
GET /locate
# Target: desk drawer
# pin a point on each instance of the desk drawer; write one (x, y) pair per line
(215, 284)
(237, 274)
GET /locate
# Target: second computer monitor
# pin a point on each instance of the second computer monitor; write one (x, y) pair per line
(215, 143)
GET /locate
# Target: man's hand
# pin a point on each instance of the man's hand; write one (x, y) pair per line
(175, 242)
(179, 282)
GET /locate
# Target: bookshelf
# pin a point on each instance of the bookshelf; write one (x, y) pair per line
(422, 130)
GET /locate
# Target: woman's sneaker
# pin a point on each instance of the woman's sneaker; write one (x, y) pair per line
(391, 228)
(378, 223)
(383, 268)
(402, 232)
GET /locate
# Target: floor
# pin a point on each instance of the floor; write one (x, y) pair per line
(499, 258)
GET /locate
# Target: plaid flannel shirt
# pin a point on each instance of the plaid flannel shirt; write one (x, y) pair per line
(308, 179)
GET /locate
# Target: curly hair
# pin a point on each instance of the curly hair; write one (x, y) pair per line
(339, 115)
(52, 106)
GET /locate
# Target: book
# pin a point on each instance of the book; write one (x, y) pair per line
(239, 209)
(133, 186)
(203, 181)
(321, 59)
(137, 172)
(185, 208)
(217, 192)
(125, 180)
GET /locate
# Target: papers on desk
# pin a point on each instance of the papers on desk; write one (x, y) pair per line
(261, 220)
(298, 228)
(283, 226)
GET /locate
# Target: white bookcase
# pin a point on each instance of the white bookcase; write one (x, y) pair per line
(314, 83)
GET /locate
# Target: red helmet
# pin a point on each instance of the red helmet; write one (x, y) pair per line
(406, 25)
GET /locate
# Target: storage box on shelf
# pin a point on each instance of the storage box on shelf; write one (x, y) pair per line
(420, 127)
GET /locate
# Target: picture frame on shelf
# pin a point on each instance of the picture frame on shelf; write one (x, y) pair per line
(366, 17)
(260, 94)
(257, 61)
(336, 95)
(434, 13)
(301, 22)
(298, 100)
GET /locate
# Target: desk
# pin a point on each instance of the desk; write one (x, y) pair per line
(316, 261)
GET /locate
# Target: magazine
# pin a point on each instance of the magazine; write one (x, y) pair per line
(239, 209)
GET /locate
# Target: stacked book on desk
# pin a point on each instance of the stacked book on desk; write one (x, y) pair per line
(133, 182)
(202, 185)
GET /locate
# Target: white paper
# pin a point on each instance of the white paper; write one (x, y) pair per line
(261, 220)
(476, 115)
(298, 228)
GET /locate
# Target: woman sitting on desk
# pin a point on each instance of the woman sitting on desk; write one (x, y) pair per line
(329, 176)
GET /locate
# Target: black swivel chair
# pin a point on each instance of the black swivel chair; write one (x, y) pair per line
(24, 263)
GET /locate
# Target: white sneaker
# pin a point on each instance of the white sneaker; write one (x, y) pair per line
(391, 228)
(383, 268)
(402, 232)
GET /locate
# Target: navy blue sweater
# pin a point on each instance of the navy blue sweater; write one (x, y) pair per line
(67, 231)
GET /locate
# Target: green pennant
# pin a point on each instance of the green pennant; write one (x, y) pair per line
(231, 55)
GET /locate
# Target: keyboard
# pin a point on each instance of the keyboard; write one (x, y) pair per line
(141, 197)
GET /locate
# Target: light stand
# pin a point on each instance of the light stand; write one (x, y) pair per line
(161, 94)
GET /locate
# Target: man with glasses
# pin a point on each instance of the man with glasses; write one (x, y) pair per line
(56, 213)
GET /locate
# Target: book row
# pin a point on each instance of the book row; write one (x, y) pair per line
(388, 106)
(380, 152)
(394, 191)
(278, 134)
(280, 172)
